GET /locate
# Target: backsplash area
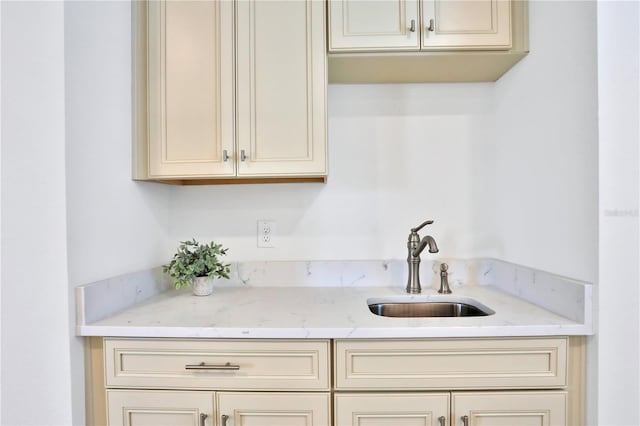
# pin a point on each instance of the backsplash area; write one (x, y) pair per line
(563, 296)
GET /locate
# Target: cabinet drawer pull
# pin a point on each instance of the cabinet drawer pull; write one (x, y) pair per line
(412, 28)
(203, 417)
(442, 420)
(465, 420)
(202, 366)
(432, 25)
(225, 155)
(224, 419)
(243, 156)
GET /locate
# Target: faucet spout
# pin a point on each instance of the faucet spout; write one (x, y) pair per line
(426, 241)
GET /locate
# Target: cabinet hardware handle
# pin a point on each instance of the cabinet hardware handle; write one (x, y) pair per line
(465, 420)
(225, 155)
(442, 420)
(202, 366)
(243, 156)
(203, 417)
(432, 25)
(224, 419)
(412, 28)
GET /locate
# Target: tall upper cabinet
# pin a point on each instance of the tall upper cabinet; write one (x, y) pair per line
(229, 91)
(425, 40)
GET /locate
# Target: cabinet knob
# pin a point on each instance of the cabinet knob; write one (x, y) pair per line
(432, 25)
(225, 155)
(442, 420)
(224, 419)
(412, 28)
(465, 420)
(243, 156)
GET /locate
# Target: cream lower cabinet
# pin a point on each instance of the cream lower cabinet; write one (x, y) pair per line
(203, 382)
(380, 382)
(201, 408)
(274, 409)
(458, 382)
(391, 409)
(160, 408)
(521, 408)
(229, 90)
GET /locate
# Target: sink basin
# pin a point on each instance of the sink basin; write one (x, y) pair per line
(428, 306)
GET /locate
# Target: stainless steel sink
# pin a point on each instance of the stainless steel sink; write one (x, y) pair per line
(428, 306)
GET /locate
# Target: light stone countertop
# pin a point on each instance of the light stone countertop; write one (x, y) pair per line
(328, 299)
(323, 312)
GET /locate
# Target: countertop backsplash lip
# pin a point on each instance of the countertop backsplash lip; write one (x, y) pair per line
(565, 297)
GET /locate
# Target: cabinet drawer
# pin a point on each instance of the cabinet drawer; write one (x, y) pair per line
(217, 364)
(451, 364)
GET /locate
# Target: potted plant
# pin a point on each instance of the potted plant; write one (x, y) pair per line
(197, 265)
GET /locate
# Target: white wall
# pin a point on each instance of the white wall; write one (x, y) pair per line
(547, 145)
(398, 154)
(0, 213)
(35, 305)
(115, 225)
(506, 169)
(619, 106)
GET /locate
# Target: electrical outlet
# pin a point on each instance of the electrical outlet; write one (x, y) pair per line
(266, 233)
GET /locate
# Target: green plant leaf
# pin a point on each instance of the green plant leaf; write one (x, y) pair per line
(193, 259)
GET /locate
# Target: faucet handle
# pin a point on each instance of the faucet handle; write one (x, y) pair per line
(422, 225)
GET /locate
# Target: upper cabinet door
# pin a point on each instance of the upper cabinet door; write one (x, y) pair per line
(466, 24)
(373, 25)
(281, 84)
(190, 88)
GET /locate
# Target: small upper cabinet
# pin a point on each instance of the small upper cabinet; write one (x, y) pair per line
(385, 25)
(229, 91)
(402, 41)
(357, 25)
(466, 24)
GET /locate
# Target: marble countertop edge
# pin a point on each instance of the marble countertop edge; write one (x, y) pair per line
(335, 333)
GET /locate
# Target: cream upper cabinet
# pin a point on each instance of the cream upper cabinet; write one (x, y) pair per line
(281, 87)
(425, 41)
(466, 24)
(374, 25)
(365, 25)
(229, 90)
(190, 88)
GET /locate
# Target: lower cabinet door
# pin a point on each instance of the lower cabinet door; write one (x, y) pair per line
(392, 409)
(160, 408)
(536, 408)
(273, 409)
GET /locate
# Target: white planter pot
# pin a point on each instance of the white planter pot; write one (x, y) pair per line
(202, 286)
